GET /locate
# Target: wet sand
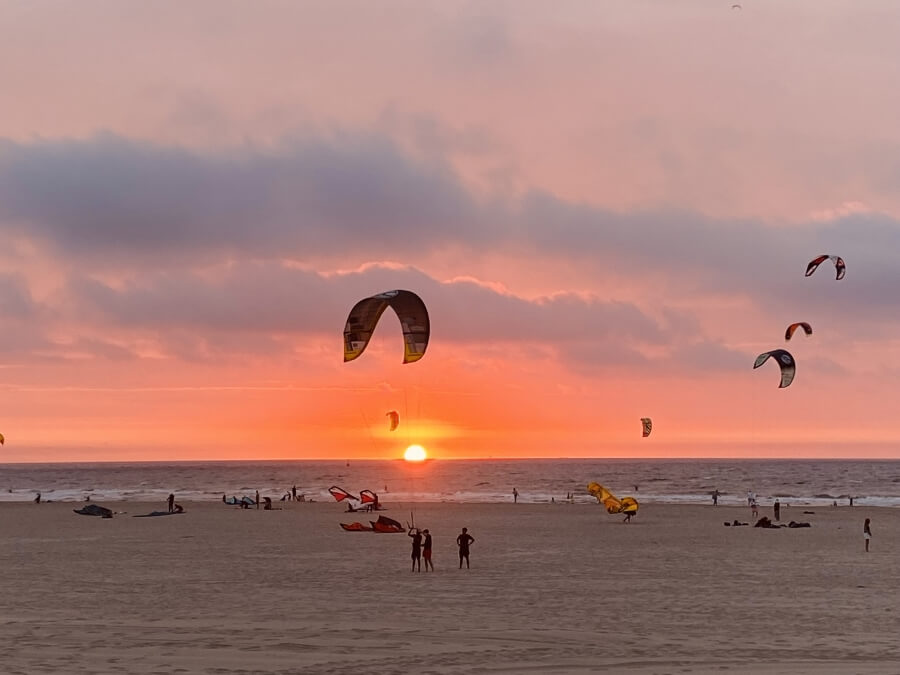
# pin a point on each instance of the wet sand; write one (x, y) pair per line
(552, 589)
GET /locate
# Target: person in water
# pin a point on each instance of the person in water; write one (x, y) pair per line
(416, 550)
(463, 541)
(426, 550)
(171, 502)
(867, 533)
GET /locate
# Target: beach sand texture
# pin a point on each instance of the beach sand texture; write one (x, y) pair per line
(552, 589)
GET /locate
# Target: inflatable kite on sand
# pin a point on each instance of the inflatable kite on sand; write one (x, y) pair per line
(626, 505)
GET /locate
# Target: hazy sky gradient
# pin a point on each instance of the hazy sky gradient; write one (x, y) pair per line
(608, 208)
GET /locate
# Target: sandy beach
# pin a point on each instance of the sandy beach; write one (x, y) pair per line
(552, 589)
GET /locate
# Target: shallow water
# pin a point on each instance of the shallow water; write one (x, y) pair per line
(812, 482)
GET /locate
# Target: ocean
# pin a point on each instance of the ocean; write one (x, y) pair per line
(683, 481)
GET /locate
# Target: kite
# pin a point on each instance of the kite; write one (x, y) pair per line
(785, 362)
(355, 527)
(369, 497)
(384, 524)
(789, 333)
(340, 494)
(395, 418)
(364, 317)
(648, 425)
(626, 505)
(2, 439)
(839, 266)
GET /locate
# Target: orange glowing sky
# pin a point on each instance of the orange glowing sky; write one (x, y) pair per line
(607, 207)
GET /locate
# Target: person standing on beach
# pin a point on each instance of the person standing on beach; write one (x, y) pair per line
(515, 496)
(715, 497)
(463, 541)
(426, 551)
(171, 503)
(867, 533)
(754, 508)
(417, 550)
(777, 509)
(294, 493)
(257, 500)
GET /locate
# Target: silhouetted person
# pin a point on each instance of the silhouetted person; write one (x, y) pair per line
(463, 541)
(177, 508)
(37, 499)
(171, 502)
(294, 493)
(268, 506)
(851, 501)
(867, 533)
(515, 496)
(426, 551)
(257, 500)
(416, 550)
(715, 496)
(777, 509)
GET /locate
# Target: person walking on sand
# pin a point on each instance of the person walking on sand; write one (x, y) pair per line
(463, 541)
(754, 508)
(867, 533)
(515, 496)
(417, 550)
(171, 503)
(715, 497)
(777, 508)
(426, 550)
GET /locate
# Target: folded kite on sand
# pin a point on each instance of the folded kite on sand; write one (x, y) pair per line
(153, 514)
(94, 510)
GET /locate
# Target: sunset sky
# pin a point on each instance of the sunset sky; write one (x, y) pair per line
(608, 208)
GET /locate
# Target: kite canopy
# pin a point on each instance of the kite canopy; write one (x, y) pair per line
(364, 317)
(789, 333)
(368, 497)
(626, 505)
(2, 439)
(385, 524)
(839, 266)
(784, 360)
(341, 494)
(395, 418)
(648, 425)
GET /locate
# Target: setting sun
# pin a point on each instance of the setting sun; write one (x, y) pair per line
(415, 453)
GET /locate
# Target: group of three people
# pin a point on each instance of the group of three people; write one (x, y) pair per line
(422, 546)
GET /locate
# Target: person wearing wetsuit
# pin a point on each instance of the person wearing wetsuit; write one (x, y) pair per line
(171, 503)
(416, 550)
(463, 541)
(426, 551)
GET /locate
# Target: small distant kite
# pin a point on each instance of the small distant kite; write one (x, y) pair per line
(785, 362)
(364, 317)
(2, 439)
(839, 266)
(395, 418)
(648, 425)
(736, 7)
(789, 333)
